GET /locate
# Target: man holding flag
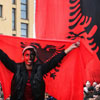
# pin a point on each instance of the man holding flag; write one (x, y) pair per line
(27, 82)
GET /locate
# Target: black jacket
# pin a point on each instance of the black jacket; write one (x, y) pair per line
(21, 76)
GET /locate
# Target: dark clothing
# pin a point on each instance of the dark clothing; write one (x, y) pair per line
(20, 78)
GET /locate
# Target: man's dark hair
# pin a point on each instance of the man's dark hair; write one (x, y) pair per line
(91, 88)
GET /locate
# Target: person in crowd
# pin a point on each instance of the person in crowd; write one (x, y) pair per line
(99, 84)
(27, 82)
(97, 89)
(46, 96)
(94, 84)
(90, 93)
(88, 84)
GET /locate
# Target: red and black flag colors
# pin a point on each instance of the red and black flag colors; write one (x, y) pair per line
(73, 20)
(63, 81)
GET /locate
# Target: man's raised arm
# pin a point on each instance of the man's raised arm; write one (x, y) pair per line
(9, 64)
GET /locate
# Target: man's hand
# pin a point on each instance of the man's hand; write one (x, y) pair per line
(73, 46)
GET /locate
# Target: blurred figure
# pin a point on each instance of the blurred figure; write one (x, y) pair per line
(88, 84)
(99, 84)
(46, 96)
(94, 84)
(90, 93)
(97, 88)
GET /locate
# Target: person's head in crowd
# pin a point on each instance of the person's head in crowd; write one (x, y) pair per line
(97, 88)
(46, 95)
(91, 89)
(94, 84)
(99, 84)
(88, 84)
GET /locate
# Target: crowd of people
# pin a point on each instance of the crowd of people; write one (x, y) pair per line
(92, 91)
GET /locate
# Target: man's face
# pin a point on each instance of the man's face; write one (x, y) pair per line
(29, 57)
(97, 87)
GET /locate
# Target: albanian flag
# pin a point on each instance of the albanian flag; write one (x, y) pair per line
(65, 82)
(73, 20)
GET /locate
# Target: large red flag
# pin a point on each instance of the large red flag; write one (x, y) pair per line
(51, 19)
(74, 20)
(64, 82)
